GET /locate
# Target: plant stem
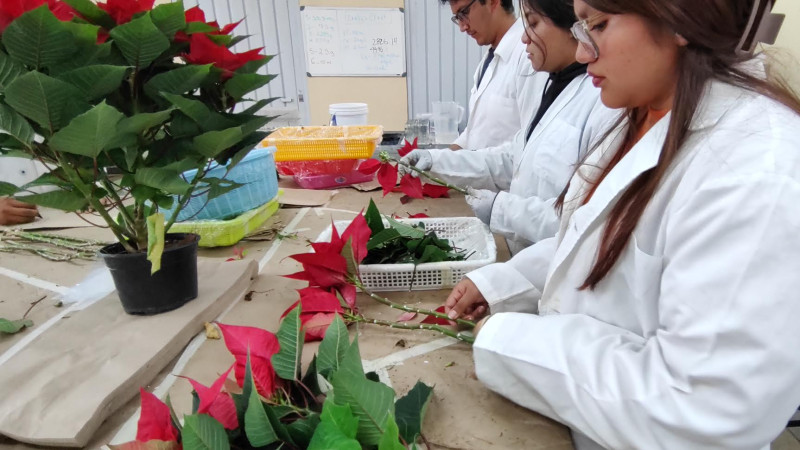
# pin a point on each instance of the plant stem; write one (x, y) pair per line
(468, 338)
(430, 177)
(391, 304)
(186, 197)
(118, 202)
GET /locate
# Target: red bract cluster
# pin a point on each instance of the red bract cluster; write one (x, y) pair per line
(328, 271)
(155, 421)
(409, 185)
(11, 9)
(215, 402)
(122, 11)
(318, 309)
(261, 345)
(202, 50)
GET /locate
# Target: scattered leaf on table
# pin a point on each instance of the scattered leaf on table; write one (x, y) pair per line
(14, 326)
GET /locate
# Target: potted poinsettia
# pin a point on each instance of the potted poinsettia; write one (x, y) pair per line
(150, 91)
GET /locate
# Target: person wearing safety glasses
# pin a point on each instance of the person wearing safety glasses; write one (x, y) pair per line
(663, 315)
(503, 94)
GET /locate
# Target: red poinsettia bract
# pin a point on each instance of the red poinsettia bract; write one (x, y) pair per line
(155, 422)
(122, 11)
(410, 185)
(216, 403)
(11, 9)
(327, 267)
(318, 308)
(202, 50)
(262, 345)
(196, 14)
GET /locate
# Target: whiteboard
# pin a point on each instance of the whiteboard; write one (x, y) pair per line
(354, 41)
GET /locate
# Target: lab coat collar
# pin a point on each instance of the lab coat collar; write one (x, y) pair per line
(563, 99)
(502, 53)
(509, 40)
(577, 220)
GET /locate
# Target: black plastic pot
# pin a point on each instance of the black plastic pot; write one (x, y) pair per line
(168, 289)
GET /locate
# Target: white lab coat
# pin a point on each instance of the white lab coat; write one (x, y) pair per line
(507, 97)
(691, 340)
(530, 176)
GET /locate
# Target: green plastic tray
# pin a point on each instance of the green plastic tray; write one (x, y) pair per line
(221, 233)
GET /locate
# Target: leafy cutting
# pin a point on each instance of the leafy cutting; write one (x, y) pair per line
(400, 243)
(280, 407)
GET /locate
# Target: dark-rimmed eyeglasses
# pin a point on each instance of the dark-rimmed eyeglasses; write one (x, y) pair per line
(462, 15)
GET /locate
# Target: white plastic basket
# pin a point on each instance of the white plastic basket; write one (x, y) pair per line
(465, 233)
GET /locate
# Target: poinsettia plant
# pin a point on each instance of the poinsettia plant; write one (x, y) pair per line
(387, 172)
(150, 91)
(333, 405)
(332, 273)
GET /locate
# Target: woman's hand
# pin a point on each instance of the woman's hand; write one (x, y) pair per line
(466, 302)
(15, 212)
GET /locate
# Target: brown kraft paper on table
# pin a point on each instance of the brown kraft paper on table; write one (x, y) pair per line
(59, 389)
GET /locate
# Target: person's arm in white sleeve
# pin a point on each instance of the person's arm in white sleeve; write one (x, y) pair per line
(490, 168)
(516, 285)
(529, 218)
(721, 371)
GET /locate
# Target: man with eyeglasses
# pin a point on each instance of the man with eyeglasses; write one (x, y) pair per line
(502, 99)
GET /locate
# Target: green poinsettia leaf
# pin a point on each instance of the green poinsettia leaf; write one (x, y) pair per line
(391, 436)
(169, 17)
(253, 66)
(96, 80)
(9, 70)
(432, 253)
(372, 403)
(242, 84)
(194, 109)
(410, 411)
(218, 187)
(242, 401)
(91, 12)
(47, 101)
(38, 39)
(155, 241)
(65, 200)
(374, 218)
(406, 230)
(7, 189)
(140, 41)
(327, 436)
(177, 81)
(302, 430)
(89, 133)
(166, 180)
(202, 432)
(212, 143)
(14, 326)
(15, 125)
(199, 27)
(53, 178)
(333, 347)
(337, 428)
(291, 338)
(382, 237)
(257, 426)
(143, 121)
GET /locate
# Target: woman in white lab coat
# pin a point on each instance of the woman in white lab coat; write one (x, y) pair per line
(515, 185)
(668, 302)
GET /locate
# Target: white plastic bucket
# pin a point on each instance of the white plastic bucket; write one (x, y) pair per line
(348, 113)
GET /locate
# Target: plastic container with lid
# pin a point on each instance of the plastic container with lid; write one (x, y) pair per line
(348, 113)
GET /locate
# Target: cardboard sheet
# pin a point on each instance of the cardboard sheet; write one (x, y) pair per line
(61, 387)
(305, 197)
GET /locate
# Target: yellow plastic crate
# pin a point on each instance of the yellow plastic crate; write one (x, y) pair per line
(221, 233)
(324, 143)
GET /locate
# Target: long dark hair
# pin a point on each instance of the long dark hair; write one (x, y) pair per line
(560, 12)
(713, 29)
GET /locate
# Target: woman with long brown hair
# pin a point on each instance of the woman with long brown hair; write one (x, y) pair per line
(667, 303)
